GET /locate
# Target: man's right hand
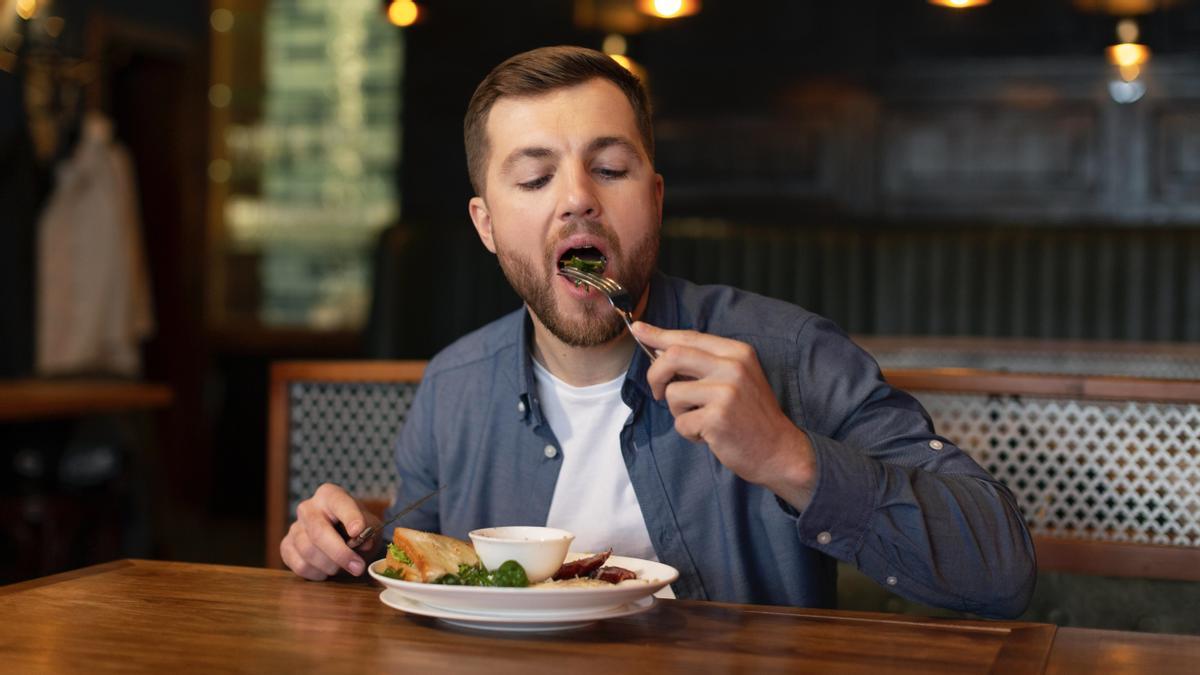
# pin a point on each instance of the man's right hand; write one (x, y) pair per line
(313, 548)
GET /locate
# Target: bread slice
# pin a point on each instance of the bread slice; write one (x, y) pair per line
(429, 555)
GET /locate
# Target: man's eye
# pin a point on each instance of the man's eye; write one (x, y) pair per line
(534, 184)
(612, 174)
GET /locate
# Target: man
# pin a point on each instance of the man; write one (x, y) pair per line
(760, 446)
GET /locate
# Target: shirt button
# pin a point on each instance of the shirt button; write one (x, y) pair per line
(824, 538)
(550, 451)
(935, 444)
(891, 581)
(521, 406)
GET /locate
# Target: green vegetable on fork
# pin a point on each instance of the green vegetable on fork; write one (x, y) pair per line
(593, 264)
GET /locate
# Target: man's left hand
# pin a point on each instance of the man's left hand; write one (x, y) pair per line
(716, 389)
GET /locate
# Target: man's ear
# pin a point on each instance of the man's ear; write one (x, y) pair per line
(483, 221)
(658, 194)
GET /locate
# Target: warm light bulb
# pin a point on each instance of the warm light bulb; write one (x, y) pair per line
(403, 13)
(959, 4)
(26, 8)
(669, 9)
(614, 44)
(1127, 30)
(1128, 54)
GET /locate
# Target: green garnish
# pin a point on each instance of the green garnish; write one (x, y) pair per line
(391, 573)
(510, 575)
(594, 265)
(398, 554)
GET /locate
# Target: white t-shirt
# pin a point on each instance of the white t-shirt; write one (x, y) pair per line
(593, 497)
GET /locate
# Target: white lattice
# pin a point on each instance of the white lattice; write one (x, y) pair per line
(344, 433)
(1108, 471)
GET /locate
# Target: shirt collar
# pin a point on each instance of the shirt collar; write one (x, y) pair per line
(662, 310)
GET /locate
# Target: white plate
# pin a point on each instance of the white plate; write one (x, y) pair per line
(529, 623)
(557, 603)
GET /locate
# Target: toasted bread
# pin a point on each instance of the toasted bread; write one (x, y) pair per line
(431, 555)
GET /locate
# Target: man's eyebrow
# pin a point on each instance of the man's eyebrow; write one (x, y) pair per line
(524, 153)
(608, 141)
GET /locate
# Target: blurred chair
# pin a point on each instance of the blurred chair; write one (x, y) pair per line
(336, 422)
(1106, 471)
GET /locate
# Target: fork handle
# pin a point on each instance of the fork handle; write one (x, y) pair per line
(629, 325)
(362, 536)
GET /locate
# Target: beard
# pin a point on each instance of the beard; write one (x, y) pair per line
(598, 323)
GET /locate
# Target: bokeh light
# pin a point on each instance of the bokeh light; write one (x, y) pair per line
(403, 13)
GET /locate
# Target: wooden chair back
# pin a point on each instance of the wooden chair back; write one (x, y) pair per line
(1106, 469)
(337, 422)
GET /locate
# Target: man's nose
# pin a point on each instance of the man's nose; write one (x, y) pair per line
(579, 196)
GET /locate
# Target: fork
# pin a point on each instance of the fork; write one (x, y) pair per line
(617, 296)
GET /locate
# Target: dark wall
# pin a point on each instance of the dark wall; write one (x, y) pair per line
(447, 54)
(733, 59)
(18, 196)
(939, 171)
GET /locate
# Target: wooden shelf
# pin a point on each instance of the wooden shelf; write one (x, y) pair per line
(35, 399)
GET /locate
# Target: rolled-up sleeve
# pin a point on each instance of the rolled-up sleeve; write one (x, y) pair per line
(905, 506)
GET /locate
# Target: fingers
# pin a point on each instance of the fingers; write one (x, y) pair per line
(342, 508)
(683, 396)
(318, 520)
(313, 548)
(303, 558)
(663, 339)
(679, 364)
(691, 425)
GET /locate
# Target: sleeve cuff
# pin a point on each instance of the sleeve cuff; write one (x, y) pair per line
(842, 503)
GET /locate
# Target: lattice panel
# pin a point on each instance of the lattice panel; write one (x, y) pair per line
(1117, 471)
(344, 433)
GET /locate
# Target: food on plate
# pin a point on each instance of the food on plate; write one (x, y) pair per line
(614, 575)
(577, 582)
(424, 557)
(592, 567)
(581, 567)
(509, 574)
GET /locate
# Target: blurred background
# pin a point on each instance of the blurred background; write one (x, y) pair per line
(191, 190)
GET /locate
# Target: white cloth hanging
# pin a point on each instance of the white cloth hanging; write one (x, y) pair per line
(93, 287)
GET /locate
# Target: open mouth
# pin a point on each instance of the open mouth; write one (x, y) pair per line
(584, 259)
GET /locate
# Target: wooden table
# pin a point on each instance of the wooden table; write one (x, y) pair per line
(137, 615)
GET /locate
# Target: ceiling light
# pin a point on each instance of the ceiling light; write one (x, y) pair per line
(959, 4)
(669, 9)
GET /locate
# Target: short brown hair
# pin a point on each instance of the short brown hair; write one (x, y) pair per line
(540, 71)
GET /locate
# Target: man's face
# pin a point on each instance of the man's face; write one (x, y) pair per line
(567, 171)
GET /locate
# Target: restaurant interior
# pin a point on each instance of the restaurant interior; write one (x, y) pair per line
(232, 231)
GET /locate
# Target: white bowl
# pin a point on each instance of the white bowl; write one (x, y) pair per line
(540, 550)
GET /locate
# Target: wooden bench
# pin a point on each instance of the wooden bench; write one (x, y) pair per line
(1106, 470)
(1107, 473)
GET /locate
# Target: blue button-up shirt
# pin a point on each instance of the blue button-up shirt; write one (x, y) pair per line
(903, 505)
